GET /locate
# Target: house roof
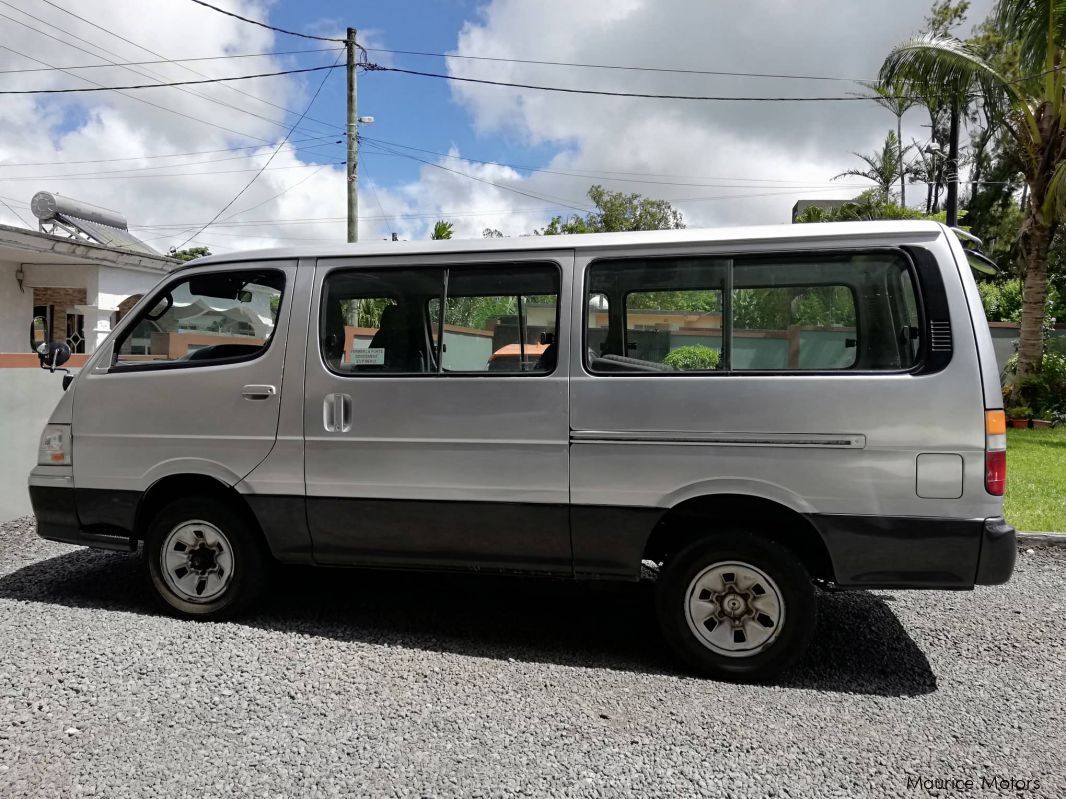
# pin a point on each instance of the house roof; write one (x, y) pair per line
(30, 246)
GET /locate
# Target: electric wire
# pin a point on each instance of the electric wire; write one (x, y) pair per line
(236, 197)
(142, 73)
(165, 155)
(265, 25)
(234, 89)
(617, 66)
(99, 88)
(370, 67)
(172, 61)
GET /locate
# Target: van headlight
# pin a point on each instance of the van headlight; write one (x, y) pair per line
(55, 446)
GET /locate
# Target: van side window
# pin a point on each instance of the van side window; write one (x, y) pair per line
(786, 318)
(375, 321)
(205, 319)
(780, 313)
(497, 320)
(500, 319)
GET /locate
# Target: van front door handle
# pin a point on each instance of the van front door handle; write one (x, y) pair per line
(258, 392)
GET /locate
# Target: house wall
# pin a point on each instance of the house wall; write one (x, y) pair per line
(27, 398)
(16, 311)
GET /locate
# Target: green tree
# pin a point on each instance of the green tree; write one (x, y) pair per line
(898, 104)
(190, 253)
(883, 168)
(868, 206)
(617, 211)
(442, 230)
(1032, 114)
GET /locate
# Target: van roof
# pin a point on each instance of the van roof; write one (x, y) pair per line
(826, 232)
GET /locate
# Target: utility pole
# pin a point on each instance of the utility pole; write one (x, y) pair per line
(953, 167)
(353, 142)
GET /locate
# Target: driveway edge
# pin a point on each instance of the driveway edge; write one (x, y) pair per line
(1042, 539)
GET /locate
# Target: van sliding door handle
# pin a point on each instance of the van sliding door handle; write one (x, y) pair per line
(258, 392)
(337, 413)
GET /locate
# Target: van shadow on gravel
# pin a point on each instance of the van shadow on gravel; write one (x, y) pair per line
(859, 646)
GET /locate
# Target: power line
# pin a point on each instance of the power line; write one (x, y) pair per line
(16, 213)
(139, 170)
(593, 174)
(233, 89)
(603, 93)
(617, 66)
(144, 73)
(374, 191)
(265, 25)
(171, 83)
(106, 176)
(167, 155)
(237, 196)
(283, 191)
(484, 180)
(140, 99)
(171, 61)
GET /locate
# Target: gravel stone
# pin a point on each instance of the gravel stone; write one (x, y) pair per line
(353, 683)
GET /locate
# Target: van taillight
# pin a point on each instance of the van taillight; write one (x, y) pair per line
(995, 452)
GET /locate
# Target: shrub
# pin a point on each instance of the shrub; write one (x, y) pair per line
(1045, 392)
(1020, 412)
(693, 357)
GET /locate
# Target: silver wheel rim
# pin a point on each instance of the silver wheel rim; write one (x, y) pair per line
(196, 561)
(734, 609)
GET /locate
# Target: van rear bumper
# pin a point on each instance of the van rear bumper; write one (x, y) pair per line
(999, 550)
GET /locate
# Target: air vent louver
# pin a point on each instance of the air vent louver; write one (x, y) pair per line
(940, 336)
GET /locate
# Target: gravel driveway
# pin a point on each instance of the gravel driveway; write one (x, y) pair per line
(367, 684)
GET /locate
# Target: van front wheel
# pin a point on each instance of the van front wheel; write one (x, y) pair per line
(736, 607)
(202, 559)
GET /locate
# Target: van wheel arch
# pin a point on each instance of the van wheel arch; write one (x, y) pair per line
(175, 486)
(698, 517)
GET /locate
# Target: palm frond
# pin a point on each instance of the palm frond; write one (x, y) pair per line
(946, 66)
(1029, 22)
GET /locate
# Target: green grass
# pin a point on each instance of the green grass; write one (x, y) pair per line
(1036, 479)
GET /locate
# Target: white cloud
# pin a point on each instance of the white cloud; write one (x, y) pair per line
(721, 163)
(772, 146)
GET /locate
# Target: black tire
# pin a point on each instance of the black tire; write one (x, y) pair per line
(248, 562)
(787, 640)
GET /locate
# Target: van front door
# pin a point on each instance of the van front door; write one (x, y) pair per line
(191, 385)
(435, 419)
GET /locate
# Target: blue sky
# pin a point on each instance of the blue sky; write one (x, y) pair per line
(719, 163)
(419, 112)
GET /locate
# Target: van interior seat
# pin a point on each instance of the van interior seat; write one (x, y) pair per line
(396, 336)
(620, 363)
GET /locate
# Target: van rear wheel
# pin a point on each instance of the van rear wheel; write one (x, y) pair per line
(736, 607)
(203, 560)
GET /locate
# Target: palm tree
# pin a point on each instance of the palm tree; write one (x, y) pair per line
(442, 230)
(899, 104)
(1031, 112)
(883, 168)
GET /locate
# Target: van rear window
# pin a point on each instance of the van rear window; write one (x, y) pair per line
(779, 313)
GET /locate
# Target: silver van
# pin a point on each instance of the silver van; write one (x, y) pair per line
(755, 411)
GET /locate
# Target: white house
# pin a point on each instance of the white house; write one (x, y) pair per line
(77, 275)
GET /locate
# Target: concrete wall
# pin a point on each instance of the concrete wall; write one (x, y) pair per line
(27, 397)
(16, 311)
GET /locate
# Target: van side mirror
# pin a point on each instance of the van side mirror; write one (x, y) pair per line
(53, 355)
